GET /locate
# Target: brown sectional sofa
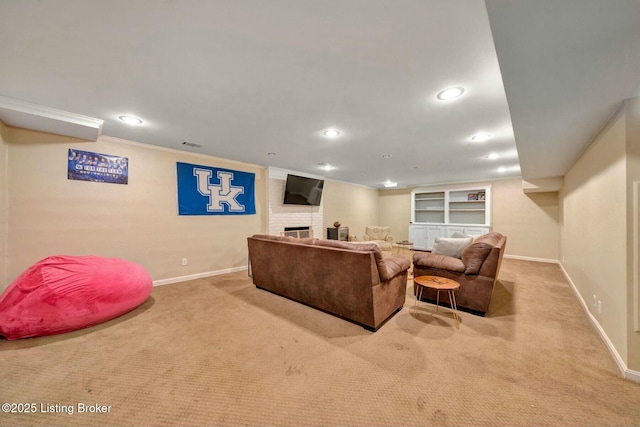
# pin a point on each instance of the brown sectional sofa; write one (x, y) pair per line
(353, 282)
(477, 272)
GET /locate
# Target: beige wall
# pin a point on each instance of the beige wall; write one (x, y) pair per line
(4, 160)
(530, 221)
(50, 214)
(395, 211)
(632, 113)
(355, 206)
(594, 231)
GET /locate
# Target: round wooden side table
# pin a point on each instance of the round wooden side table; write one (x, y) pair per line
(439, 284)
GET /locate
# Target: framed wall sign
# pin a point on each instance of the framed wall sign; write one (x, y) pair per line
(97, 167)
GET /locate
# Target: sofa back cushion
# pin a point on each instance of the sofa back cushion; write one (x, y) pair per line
(290, 239)
(352, 246)
(388, 268)
(367, 247)
(474, 255)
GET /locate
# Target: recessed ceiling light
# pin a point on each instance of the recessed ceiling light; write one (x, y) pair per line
(450, 93)
(493, 156)
(386, 156)
(390, 184)
(131, 120)
(481, 137)
(326, 166)
(331, 133)
(271, 153)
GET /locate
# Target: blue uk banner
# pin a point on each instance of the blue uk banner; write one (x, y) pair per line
(205, 190)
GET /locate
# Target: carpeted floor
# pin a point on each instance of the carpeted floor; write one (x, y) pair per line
(218, 351)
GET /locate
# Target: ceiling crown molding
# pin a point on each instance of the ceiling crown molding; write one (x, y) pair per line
(25, 115)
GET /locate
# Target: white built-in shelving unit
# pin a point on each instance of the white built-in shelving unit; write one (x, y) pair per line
(440, 212)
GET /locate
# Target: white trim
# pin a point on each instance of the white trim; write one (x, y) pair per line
(474, 183)
(627, 373)
(17, 113)
(112, 139)
(632, 375)
(528, 258)
(198, 276)
(4, 283)
(636, 255)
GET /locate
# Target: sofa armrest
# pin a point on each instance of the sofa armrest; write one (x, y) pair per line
(442, 262)
(390, 267)
(366, 237)
(389, 238)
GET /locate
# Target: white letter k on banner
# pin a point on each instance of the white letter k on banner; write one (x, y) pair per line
(219, 194)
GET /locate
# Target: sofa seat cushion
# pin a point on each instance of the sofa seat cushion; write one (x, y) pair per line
(442, 262)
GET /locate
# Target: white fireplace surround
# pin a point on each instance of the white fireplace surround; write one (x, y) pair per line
(280, 215)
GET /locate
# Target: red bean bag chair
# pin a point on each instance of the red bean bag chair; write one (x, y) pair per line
(64, 293)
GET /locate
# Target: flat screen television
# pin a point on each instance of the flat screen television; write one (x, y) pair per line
(300, 190)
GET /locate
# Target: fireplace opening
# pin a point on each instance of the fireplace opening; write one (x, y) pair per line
(299, 232)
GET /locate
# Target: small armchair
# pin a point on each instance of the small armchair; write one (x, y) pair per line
(380, 235)
(476, 270)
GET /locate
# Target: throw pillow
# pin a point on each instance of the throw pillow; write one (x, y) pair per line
(451, 246)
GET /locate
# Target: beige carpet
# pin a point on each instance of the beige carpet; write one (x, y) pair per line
(218, 351)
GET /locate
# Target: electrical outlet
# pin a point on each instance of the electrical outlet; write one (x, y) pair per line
(599, 306)
(595, 301)
(184, 261)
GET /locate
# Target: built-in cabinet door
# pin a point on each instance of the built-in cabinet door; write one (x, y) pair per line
(453, 229)
(434, 231)
(418, 236)
(469, 231)
(424, 236)
(476, 231)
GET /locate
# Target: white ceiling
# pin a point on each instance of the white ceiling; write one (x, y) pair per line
(244, 78)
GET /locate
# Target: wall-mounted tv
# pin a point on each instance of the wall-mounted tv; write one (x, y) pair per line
(300, 190)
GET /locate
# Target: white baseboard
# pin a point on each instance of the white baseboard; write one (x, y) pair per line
(627, 373)
(198, 276)
(528, 258)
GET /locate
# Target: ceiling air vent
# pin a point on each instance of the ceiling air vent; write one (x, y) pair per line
(191, 144)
